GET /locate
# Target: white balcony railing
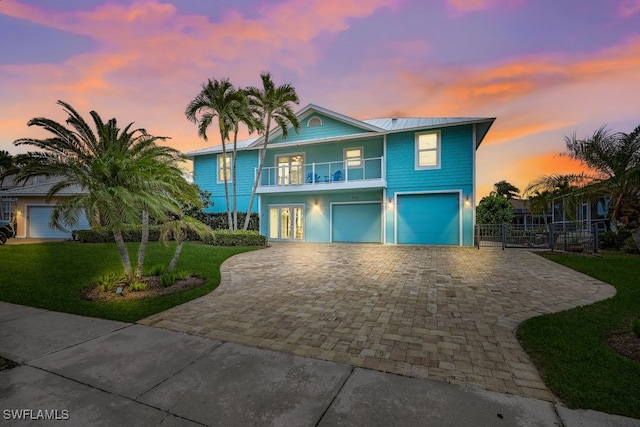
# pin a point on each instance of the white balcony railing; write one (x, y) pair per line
(308, 174)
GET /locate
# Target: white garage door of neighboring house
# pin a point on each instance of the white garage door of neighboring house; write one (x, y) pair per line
(429, 219)
(38, 224)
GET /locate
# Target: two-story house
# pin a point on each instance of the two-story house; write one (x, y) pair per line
(388, 180)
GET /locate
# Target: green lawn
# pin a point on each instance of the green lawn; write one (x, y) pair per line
(52, 275)
(570, 348)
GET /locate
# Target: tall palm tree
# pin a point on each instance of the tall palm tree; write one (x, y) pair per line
(250, 116)
(218, 98)
(273, 104)
(122, 173)
(614, 157)
(505, 189)
(178, 229)
(539, 203)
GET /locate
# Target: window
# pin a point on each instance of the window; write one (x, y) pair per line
(353, 157)
(290, 169)
(224, 168)
(314, 121)
(428, 150)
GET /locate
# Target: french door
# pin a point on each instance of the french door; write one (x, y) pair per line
(290, 169)
(286, 222)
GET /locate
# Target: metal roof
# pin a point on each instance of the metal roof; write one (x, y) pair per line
(41, 189)
(394, 124)
(245, 143)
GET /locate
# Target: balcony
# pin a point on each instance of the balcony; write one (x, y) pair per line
(338, 175)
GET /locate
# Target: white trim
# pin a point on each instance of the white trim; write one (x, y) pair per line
(474, 167)
(344, 158)
(438, 150)
(363, 202)
(314, 117)
(221, 181)
(417, 193)
(322, 186)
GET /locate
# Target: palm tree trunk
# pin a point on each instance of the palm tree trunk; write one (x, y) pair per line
(176, 255)
(226, 182)
(144, 240)
(263, 154)
(233, 179)
(124, 254)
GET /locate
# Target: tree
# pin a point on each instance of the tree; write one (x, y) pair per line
(7, 167)
(539, 203)
(494, 210)
(178, 229)
(505, 189)
(272, 104)
(614, 157)
(122, 173)
(218, 98)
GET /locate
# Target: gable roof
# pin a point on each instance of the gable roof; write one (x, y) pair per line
(41, 189)
(378, 126)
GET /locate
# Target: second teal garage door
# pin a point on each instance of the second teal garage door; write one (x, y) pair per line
(359, 222)
(428, 219)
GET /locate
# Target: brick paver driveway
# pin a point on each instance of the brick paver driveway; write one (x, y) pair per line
(443, 313)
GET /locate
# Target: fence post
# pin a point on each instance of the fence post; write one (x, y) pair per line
(477, 234)
(595, 238)
(551, 237)
(504, 236)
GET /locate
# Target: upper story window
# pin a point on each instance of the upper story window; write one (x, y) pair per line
(353, 157)
(428, 150)
(314, 121)
(224, 168)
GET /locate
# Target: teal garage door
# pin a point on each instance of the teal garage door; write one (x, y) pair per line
(359, 222)
(38, 224)
(428, 219)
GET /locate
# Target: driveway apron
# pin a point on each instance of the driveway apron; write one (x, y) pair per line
(442, 313)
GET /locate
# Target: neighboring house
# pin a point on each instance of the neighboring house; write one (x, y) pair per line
(523, 217)
(29, 209)
(387, 180)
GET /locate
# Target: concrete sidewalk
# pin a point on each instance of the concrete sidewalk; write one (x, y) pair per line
(85, 371)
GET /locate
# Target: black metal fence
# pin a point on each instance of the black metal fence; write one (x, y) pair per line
(565, 236)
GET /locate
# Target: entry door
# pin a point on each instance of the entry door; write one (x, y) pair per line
(286, 223)
(290, 169)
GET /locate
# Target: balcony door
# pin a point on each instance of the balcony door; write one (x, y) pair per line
(286, 222)
(290, 169)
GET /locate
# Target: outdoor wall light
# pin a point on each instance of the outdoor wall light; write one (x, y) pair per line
(316, 206)
(467, 201)
(390, 202)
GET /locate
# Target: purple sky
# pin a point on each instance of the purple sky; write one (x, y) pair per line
(544, 68)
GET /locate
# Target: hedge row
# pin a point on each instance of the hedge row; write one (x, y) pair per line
(221, 237)
(220, 220)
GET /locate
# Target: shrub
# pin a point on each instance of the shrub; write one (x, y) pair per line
(167, 280)
(137, 286)
(101, 236)
(635, 327)
(608, 240)
(237, 238)
(629, 246)
(157, 270)
(220, 220)
(181, 274)
(108, 281)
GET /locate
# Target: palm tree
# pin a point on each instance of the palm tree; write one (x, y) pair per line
(178, 230)
(7, 167)
(217, 99)
(122, 173)
(272, 104)
(615, 160)
(558, 186)
(539, 203)
(505, 189)
(251, 118)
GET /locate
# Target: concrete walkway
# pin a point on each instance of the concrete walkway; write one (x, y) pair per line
(442, 313)
(93, 372)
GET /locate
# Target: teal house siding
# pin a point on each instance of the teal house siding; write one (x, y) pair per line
(383, 200)
(205, 172)
(455, 173)
(330, 128)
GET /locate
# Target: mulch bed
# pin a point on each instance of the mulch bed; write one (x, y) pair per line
(153, 289)
(627, 344)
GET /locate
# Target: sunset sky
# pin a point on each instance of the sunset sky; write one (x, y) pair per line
(544, 68)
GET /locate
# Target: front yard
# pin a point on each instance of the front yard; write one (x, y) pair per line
(53, 275)
(570, 348)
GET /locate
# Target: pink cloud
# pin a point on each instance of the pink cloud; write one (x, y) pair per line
(464, 6)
